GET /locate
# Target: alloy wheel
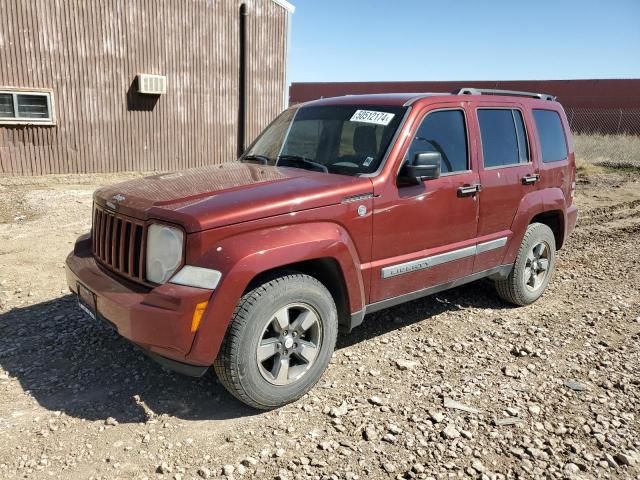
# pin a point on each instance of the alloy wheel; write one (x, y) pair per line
(537, 266)
(289, 344)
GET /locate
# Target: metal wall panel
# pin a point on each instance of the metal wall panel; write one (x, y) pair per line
(267, 32)
(89, 53)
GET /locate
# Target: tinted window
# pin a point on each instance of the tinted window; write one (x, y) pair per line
(523, 145)
(443, 132)
(504, 140)
(551, 134)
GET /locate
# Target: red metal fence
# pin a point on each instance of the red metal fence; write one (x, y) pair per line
(608, 121)
(609, 106)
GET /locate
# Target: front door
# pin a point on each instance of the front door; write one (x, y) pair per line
(507, 174)
(424, 234)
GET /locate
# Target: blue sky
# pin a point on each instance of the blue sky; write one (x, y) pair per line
(387, 40)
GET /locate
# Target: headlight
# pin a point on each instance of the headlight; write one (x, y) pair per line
(164, 252)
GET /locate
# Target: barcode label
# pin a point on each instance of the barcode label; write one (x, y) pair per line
(370, 116)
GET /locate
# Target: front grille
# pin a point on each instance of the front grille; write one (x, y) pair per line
(118, 242)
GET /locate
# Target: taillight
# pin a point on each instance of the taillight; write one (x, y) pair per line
(573, 191)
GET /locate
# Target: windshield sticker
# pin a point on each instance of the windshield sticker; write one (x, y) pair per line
(367, 161)
(369, 116)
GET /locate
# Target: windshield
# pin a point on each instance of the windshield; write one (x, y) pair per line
(343, 139)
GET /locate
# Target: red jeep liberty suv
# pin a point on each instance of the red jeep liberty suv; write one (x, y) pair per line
(341, 207)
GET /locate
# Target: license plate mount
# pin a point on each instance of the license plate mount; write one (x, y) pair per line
(87, 301)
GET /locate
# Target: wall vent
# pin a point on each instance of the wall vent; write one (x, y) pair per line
(152, 84)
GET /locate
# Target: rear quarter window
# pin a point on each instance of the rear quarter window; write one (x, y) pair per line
(551, 134)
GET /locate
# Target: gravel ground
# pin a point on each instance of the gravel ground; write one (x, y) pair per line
(454, 385)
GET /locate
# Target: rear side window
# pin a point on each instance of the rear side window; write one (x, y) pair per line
(551, 133)
(504, 140)
(523, 146)
(445, 132)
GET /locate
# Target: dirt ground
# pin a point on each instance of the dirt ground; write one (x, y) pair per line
(555, 386)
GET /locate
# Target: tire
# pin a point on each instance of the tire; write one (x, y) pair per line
(520, 287)
(291, 366)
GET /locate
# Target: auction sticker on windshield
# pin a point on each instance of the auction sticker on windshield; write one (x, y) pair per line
(370, 116)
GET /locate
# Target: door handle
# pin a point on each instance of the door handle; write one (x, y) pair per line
(469, 190)
(530, 179)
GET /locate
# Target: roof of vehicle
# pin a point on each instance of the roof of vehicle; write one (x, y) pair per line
(388, 99)
(406, 99)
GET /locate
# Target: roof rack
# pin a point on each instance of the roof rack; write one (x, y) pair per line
(515, 93)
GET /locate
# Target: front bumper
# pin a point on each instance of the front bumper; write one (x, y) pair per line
(156, 319)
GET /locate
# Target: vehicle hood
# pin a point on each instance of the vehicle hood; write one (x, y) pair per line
(218, 195)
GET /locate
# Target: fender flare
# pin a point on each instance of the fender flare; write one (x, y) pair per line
(242, 257)
(532, 204)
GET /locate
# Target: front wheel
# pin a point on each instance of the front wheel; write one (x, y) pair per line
(532, 269)
(280, 340)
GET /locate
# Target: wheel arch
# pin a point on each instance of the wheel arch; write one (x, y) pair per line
(326, 270)
(554, 219)
(544, 206)
(323, 250)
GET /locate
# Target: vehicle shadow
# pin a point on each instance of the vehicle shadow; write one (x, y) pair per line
(479, 294)
(70, 363)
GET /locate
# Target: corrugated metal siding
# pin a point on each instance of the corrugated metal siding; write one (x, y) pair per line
(266, 64)
(89, 54)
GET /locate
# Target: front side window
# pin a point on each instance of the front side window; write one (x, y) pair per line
(504, 141)
(444, 132)
(342, 139)
(551, 134)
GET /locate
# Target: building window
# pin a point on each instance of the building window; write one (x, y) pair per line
(26, 107)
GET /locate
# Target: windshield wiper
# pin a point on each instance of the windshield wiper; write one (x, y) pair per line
(262, 159)
(302, 161)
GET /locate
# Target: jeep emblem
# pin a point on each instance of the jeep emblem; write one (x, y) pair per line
(113, 204)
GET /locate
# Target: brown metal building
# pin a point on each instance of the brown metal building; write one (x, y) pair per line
(610, 106)
(71, 86)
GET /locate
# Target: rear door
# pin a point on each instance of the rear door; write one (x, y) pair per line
(507, 174)
(554, 152)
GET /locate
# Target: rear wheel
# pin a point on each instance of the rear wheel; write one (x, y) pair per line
(279, 342)
(532, 269)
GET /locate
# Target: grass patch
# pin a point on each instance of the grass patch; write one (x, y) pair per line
(585, 169)
(609, 151)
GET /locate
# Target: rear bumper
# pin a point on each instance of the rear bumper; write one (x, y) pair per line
(156, 319)
(572, 218)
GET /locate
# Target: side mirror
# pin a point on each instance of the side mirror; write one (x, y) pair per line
(425, 166)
